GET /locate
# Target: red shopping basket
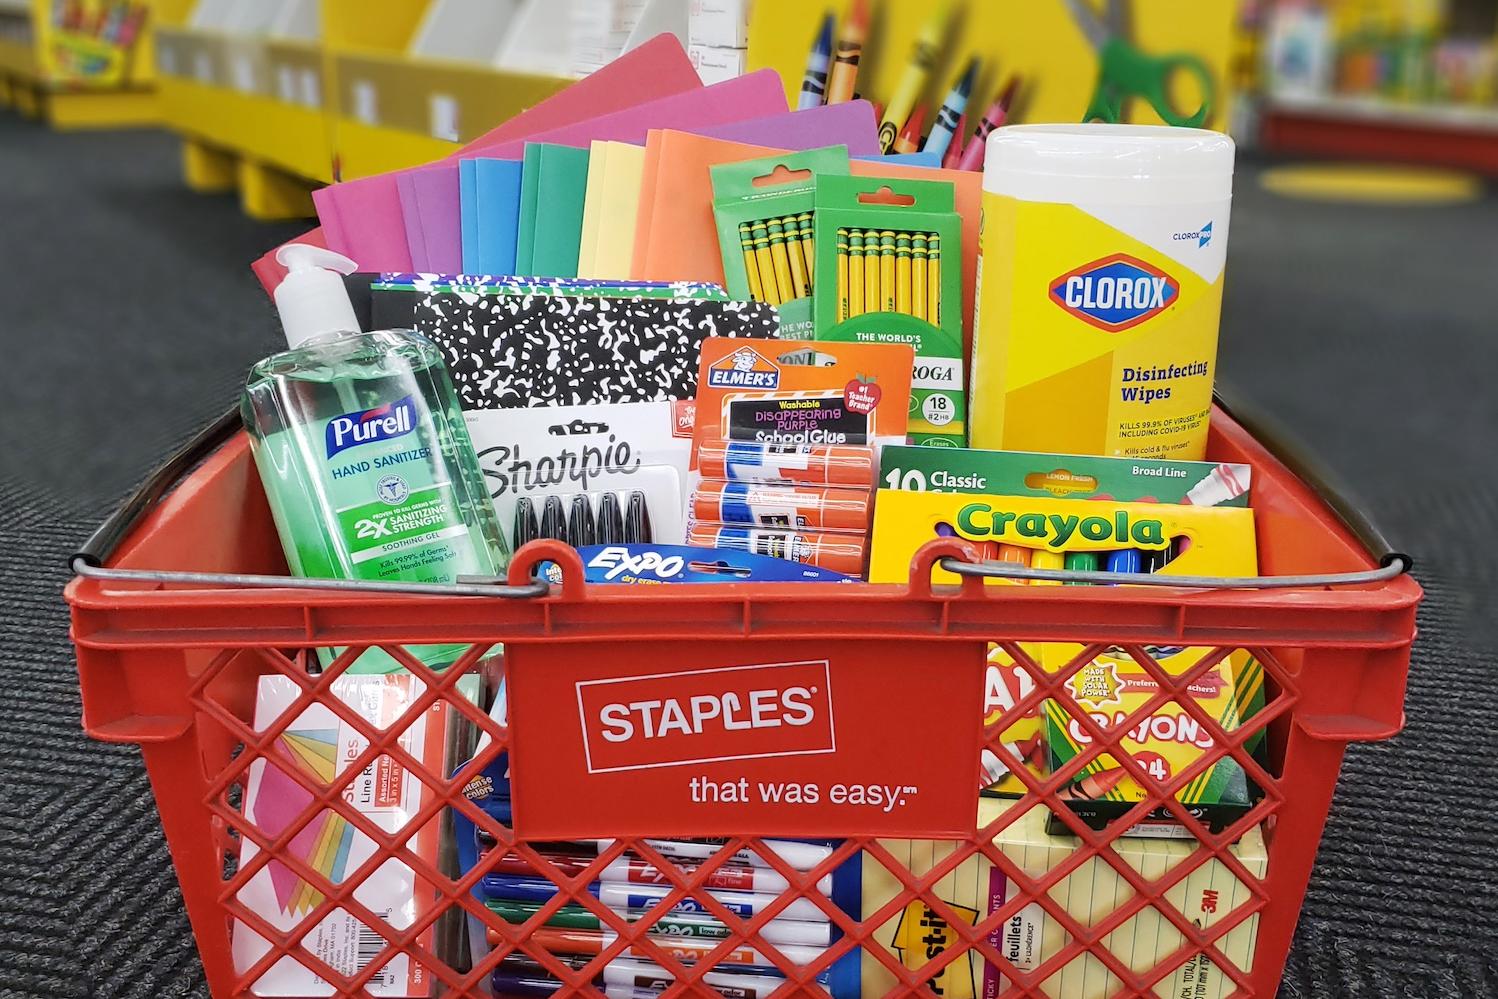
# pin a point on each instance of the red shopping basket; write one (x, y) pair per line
(180, 610)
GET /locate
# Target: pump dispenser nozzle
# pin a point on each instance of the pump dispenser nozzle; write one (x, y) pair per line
(312, 299)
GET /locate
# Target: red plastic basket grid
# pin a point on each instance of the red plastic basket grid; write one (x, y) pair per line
(174, 670)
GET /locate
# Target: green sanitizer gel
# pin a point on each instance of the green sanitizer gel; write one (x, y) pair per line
(363, 451)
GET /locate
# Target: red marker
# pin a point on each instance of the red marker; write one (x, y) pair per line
(955, 147)
(972, 156)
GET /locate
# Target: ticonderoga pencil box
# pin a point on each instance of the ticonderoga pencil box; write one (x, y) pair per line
(976, 887)
(889, 270)
(764, 212)
(1064, 476)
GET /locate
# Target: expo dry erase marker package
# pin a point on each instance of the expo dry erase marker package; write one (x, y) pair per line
(764, 211)
(887, 272)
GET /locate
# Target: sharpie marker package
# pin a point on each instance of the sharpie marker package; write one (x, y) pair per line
(586, 475)
(681, 564)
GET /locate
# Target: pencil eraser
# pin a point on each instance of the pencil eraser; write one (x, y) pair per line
(721, 24)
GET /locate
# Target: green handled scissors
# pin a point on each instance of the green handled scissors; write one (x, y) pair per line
(1125, 72)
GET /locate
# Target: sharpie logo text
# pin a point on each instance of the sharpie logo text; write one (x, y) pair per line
(700, 716)
(394, 419)
(1115, 293)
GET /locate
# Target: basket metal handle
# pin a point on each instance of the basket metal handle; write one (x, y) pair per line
(1013, 570)
(90, 560)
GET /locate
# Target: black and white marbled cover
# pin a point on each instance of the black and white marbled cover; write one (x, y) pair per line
(521, 351)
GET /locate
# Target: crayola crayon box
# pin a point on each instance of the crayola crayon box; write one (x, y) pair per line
(889, 270)
(918, 933)
(1208, 541)
(764, 211)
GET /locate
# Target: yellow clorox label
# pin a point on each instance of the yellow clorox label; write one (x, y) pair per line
(1097, 329)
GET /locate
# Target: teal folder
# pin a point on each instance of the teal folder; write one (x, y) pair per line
(553, 187)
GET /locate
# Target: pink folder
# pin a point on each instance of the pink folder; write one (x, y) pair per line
(655, 69)
(371, 228)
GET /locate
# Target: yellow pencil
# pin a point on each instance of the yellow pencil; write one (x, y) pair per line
(855, 273)
(766, 264)
(887, 270)
(793, 253)
(902, 273)
(872, 300)
(842, 275)
(781, 261)
(808, 247)
(751, 266)
(933, 281)
(918, 265)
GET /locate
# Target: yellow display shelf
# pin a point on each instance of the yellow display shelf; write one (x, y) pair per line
(38, 79)
(1039, 41)
(395, 111)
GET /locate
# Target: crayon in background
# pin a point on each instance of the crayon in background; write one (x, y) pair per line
(842, 274)
(814, 85)
(953, 156)
(751, 264)
(922, 60)
(977, 149)
(933, 279)
(768, 283)
(793, 254)
(919, 262)
(872, 302)
(902, 275)
(781, 261)
(808, 246)
(909, 140)
(844, 75)
(949, 116)
(855, 273)
(887, 271)
(1081, 562)
(1093, 786)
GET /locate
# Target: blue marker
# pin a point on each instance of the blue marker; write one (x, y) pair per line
(743, 904)
(951, 110)
(1125, 560)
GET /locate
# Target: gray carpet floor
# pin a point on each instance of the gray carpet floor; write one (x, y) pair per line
(129, 315)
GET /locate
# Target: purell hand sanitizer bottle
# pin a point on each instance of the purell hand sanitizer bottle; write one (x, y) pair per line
(363, 450)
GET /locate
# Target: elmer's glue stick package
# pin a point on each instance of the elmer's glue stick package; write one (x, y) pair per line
(1100, 289)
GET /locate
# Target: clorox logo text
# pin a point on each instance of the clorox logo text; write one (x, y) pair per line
(744, 368)
(395, 419)
(1115, 293)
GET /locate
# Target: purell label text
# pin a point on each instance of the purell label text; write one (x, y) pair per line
(394, 419)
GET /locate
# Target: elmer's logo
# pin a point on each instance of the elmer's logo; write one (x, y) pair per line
(1115, 293)
(744, 368)
(394, 419)
(706, 715)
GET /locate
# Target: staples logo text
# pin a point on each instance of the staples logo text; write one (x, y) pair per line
(708, 715)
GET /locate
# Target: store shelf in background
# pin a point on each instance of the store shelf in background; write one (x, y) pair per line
(82, 66)
(397, 111)
(1459, 136)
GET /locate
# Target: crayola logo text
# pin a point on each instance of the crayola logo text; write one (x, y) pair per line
(1115, 293)
(700, 716)
(394, 419)
(979, 520)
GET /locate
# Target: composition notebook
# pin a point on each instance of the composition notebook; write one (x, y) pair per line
(533, 349)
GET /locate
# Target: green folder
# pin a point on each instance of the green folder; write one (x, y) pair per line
(553, 186)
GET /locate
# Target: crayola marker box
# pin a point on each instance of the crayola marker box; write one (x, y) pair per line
(889, 270)
(917, 934)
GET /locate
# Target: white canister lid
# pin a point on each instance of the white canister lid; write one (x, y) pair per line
(1110, 164)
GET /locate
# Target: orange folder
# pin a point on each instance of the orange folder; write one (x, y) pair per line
(676, 238)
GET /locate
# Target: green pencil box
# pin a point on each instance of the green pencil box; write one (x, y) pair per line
(763, 208)
(889, 271)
